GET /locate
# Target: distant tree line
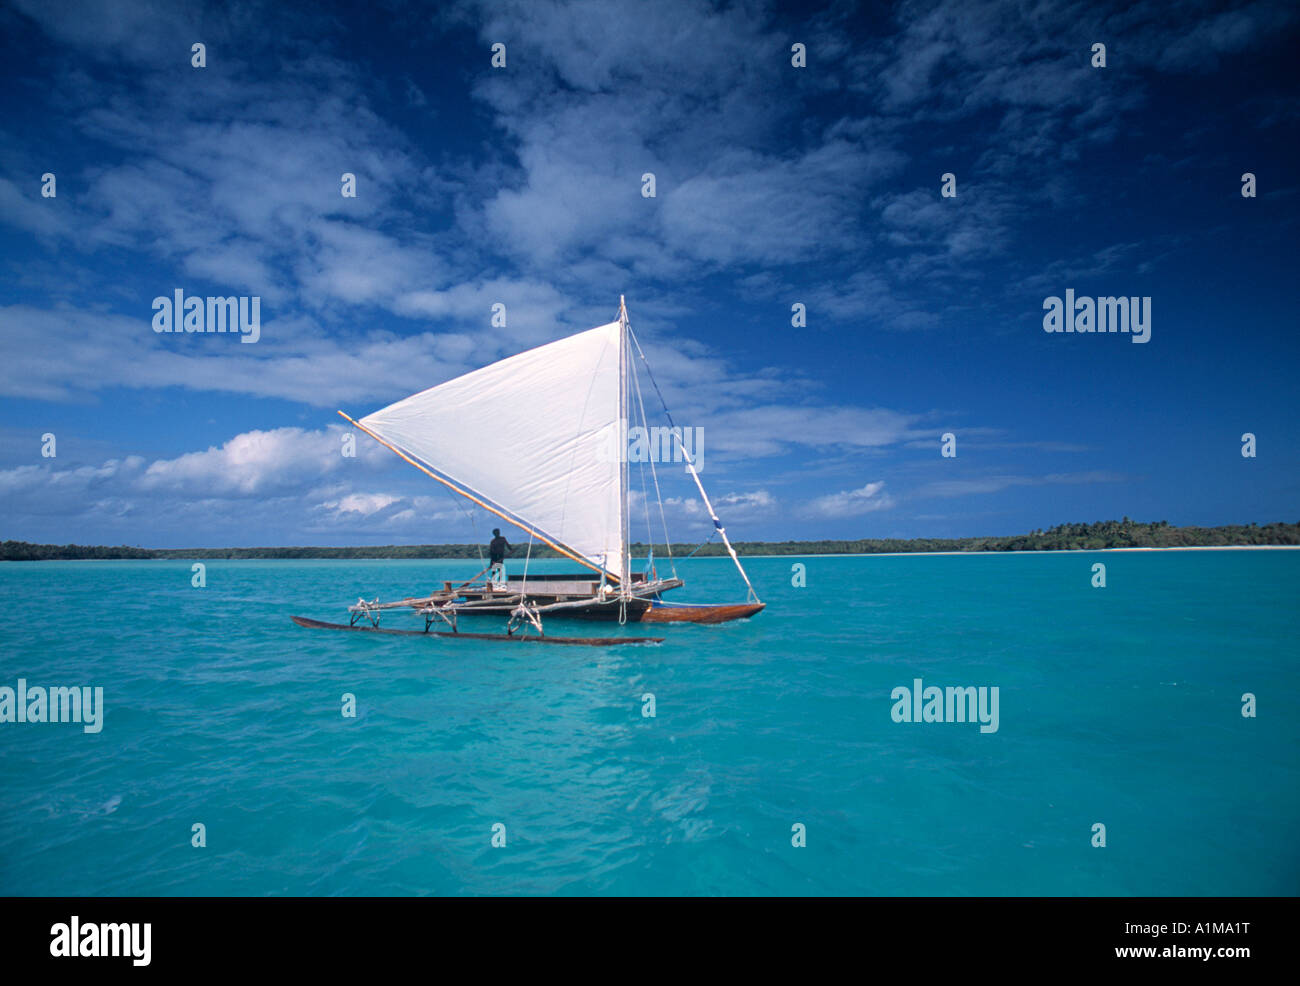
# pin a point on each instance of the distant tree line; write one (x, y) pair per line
(22, 551)
(1064, 537)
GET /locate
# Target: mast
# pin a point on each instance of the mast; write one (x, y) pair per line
(624, 519)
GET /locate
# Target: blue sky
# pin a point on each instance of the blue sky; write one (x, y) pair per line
(776, 185)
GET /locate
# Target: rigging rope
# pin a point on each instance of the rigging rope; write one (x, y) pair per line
(663, 520)
(707, 540)
(473, 526)
(650, 534)
(528, 555)
(690, 465)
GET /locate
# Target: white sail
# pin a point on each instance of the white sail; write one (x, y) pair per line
(531, 436)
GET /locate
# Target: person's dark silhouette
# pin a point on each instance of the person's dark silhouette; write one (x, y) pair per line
(497, 556)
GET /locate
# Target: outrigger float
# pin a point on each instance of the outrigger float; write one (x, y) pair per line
(302, 621)
(540, 439)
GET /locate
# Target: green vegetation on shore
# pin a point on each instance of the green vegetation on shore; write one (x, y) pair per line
(1064, 537)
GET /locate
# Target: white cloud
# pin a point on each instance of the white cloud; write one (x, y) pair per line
(659, 88)
(288, 483)
(65, 354)
(851, 503)
(687, 517)
(26, 209)
(255, 462)
(773, 429)
(133, 30)
(994, 484)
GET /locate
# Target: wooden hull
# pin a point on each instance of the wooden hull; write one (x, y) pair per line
(574, 597)
(669, 613)
(303, 621)
(638, 611)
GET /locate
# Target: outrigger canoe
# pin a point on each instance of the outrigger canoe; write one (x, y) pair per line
(541, 440)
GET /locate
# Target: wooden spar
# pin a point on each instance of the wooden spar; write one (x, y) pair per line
(471, 578)
(624, 502)
(303, 621)
(456, 489)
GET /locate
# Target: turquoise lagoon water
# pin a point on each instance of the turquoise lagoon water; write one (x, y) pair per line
(1119, 706)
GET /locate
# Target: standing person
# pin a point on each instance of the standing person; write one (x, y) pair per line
(497, 557)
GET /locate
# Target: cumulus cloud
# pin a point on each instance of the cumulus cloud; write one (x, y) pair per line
(687, 513)
(286, 483)
(251, 464)
(851, 503)
(257, 463)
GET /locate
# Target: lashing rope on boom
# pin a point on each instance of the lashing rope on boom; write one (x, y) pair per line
(523, 613)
